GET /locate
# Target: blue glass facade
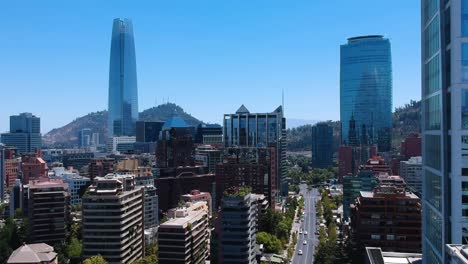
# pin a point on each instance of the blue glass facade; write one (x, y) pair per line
(322, 146)
(123, 91)
(366, 89)
(25, 133)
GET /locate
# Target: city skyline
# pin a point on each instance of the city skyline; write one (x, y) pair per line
(182, 55)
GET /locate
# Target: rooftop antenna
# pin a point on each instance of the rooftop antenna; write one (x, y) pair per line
(282, 99)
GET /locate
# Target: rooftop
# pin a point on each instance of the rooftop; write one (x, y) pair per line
(365, 37)
(32, 253)
(458, 252)
(376, 256)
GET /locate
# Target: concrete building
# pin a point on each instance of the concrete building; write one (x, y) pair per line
(457, 254)
(85, 137)
(113, 219)
(100, 167)
(185, 237)
(48, 208)
(388, 217)
(9, 168)
(208, 156)
(121, 144)
(247, 166)
(411, 172)
(25, 133)
(411, 146)
(237, 226)
(353, 185)
(171, 183)
(209, 134)
(151, 200)
(76, 183)
(377, 165)
(375, 255)
(197, 196)
(16, 197)
(351, 157)
(264, 130)
(33, 167)
(39, 253)
(322, 146)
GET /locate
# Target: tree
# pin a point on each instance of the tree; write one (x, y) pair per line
(95, 260)
(74, 248)
(271, 243)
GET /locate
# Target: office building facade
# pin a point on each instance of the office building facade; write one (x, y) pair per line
(25, 133)
(366, 90)
(245, 129)
(148, 131)
(322, 146)
(411, 172)
(444, 97)
(123, 90)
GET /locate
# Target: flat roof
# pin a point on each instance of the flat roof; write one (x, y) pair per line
(365, 37)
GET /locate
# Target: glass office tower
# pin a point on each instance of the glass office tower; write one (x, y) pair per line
(444, 93)
(322, 146)
(366, 90)
(25, 133)
(267, 130)
(123, 91)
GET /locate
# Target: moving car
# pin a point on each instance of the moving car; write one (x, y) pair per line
(300, 232)
(305, 242)
(299, 252)
(305, 233)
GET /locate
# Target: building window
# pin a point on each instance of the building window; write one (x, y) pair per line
(432, 113)
(464, 186)
(432, 151)
(429, 8)
(433, 189)
(464, 62)
(464, 18)
(432, 75)
(433, 228)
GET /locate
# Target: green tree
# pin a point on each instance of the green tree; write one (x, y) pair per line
(74, 248)
(95, 260)
(271, 243)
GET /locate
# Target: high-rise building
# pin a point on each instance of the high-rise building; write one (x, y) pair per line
(113, 219)
(387, 217)
(100, 167)
(353, 185)
(209, 134)
(47, 207)
(247, 166)
(76, 184)
(237, 227)
(175, 145)
(208, 156)
(247, 129)
(322, 146)
(25, 133)
(123, 90)
(366, 90)
(148, 131)
(151, 200)
(444, 111)
(410, 170)
(85, 137)
(185, 237)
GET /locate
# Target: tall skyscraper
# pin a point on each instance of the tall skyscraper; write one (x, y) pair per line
(322, 146)
(25, 133)
(123, 91)
(245, 129)
(366, 90)
(444, 93)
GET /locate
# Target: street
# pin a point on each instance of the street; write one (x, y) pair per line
(309, 225)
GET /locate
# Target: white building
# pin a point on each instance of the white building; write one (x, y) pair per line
(76, 183)
(458, 254)
(117, 144)
(410, 171)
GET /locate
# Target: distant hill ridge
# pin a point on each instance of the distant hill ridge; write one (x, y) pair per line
(67, 136)
(406, 120)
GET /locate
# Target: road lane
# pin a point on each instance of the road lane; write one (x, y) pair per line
(308, 225)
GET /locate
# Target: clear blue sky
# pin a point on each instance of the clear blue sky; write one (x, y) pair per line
(208, 56)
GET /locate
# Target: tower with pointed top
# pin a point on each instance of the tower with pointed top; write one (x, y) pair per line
(245, 129)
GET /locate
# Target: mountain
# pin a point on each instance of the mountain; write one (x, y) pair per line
(67, 136)
(406, 120)
(293, 122)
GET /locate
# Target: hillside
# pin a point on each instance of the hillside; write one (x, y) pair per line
(67, 136)
(406, 119)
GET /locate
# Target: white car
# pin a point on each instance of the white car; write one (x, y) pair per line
(299, 252)
(305, 242)
(300, 232)
(305, 233)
